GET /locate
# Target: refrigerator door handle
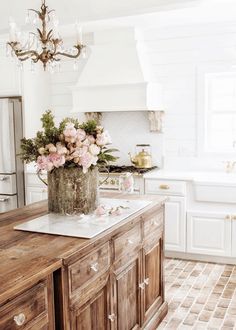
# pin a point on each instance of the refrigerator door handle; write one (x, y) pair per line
(3, 200)
(4, 178)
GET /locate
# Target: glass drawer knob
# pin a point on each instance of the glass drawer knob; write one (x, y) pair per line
(111, 317)
(19, 319)
(94, 267)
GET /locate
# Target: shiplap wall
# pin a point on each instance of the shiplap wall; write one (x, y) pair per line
(176, 55)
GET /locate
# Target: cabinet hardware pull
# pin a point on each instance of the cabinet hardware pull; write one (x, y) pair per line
(164, 186)
(130, 241)
(228, 217)
(146, 281)
(142, 286)
(19, 319)
(3, 200)
(3, 178)
(94, 267)
(112, 317)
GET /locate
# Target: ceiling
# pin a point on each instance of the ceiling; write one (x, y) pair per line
(86, 10)
(104, 13)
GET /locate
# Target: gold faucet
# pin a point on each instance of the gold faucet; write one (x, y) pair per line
(229, 167)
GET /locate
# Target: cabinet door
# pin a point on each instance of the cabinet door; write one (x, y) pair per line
(153, 290)
(126, 294)
(175, 224)
(36, 194)
(94, 315)
(234, 235)
(209, 233)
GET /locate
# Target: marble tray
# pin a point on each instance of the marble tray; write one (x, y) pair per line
(86, 226)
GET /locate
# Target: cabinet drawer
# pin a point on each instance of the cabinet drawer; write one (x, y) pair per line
(25, 309)
(89, 267)
(165, 187)
(7, 203)
(7, 184)
(128, 242)
(153, 226)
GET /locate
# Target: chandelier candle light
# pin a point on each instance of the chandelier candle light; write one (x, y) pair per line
(44, 45)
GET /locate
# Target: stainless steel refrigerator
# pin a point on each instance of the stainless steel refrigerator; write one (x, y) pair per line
(11, 167)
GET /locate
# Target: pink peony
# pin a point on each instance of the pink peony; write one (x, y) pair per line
(86, 161)
(81, 134)
(86, 142)
(42, 162)
(70, 133)
(61, 149)
(57, 160)
(91, 139)
(100, 210)
(103, 139)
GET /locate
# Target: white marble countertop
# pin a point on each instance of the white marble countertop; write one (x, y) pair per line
(194, 176)
(212, 177)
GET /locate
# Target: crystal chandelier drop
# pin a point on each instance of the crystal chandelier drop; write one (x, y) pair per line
(44, 45)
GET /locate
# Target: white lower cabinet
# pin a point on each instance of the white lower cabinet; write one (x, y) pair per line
(175, 224)
(175, 211)
(36, 194)
(234, 236)
(209, 233)
(36, 191)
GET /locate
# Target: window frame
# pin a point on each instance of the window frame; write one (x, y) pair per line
(202, 113)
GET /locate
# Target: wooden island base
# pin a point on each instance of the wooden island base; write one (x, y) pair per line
(113, 281)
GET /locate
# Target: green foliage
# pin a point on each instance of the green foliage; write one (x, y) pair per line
(52, 135)
(29, 151)
(89, 127)
(104, 158)
(48, 121)
(67, 120)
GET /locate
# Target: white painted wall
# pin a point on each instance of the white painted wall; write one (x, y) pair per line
(34, 88)
(178, 55)
(36, 96)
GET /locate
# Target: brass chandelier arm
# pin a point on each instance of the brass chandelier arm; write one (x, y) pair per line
(78, 47)
(24, 55)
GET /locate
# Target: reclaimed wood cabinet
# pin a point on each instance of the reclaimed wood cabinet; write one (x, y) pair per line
(119, 284)
(33, 309)
(113, 281)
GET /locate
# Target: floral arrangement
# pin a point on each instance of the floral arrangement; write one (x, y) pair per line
(69, 145)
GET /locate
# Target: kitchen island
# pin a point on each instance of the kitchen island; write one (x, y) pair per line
(112, 281)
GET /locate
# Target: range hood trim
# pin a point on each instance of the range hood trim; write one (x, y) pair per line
(140, 96)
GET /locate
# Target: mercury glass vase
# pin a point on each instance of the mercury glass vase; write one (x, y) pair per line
(70, 191)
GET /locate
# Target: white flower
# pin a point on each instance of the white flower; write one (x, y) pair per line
(41, 151)
(94, 149)
(51, 148)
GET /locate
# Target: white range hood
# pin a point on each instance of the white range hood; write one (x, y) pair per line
(116, 76)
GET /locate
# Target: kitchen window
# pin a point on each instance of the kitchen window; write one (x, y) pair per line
(220, 112)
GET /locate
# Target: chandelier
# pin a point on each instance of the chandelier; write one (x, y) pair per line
(45, 45)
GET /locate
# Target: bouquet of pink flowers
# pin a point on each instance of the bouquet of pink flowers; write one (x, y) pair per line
(69, 145)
